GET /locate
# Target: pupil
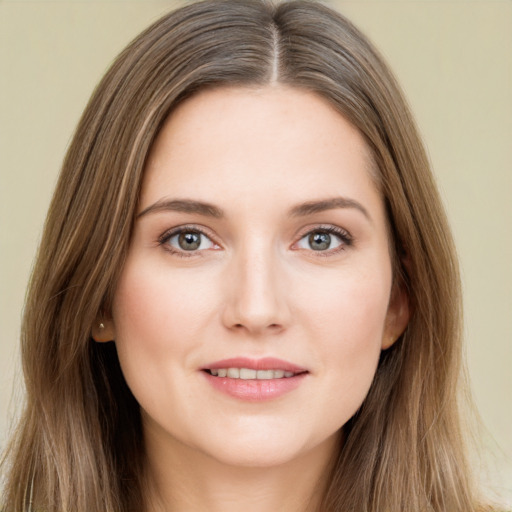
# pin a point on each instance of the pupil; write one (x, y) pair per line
(189, 241)
(320, 241)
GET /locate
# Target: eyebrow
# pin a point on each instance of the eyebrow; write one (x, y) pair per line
(312, 207)
(210, 210)
(185, 206)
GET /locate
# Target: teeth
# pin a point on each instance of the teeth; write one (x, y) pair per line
(245, 373)
(249, 374)
(233, 373)
(265, 374)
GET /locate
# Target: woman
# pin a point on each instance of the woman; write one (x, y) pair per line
(246, 293)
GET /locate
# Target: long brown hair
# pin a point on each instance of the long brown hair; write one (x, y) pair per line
(79, 445)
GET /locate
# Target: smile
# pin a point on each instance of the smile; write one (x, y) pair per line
(250, 374)
(254, 380)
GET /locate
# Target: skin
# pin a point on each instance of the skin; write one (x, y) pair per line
(255, 288)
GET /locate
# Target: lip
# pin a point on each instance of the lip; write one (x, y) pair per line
(254, 390)
(265, 363)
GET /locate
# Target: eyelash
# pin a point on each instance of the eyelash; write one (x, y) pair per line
(345, 237)
(165, 237)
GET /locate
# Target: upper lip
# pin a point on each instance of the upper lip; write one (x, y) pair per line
(265, 363)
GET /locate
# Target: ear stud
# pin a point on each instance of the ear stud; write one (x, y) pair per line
(102, 326)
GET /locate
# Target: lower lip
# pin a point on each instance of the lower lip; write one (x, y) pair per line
(254, 390)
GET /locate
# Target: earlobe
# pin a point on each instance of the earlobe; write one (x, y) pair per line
(103, 331)
(397, 316)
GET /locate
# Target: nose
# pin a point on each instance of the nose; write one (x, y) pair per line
(256, 302)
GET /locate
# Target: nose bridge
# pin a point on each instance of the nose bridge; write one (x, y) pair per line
(256, 302)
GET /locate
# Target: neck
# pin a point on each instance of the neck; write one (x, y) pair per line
(183, 479)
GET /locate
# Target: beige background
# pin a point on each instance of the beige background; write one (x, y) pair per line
(454, 60)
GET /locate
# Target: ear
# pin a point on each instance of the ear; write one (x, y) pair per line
(397, 316)
(103, 330)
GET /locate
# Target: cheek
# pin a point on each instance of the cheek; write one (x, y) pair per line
(139, 311)
(153, 307)
(349, 309)
(156, 320)
(347, 321)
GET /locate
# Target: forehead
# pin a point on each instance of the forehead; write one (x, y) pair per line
(276, 141)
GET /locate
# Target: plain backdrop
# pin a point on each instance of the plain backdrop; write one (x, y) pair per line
(454, 61)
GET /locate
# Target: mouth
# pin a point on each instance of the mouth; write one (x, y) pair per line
(245, 368)
(254, 380)
(251, 374)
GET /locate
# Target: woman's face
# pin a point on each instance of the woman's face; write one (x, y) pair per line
(257, 293)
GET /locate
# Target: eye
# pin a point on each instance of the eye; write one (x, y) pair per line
(324, 239)
(186, 240)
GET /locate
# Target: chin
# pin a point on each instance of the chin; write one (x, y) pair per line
(257, 456)
(266, 451)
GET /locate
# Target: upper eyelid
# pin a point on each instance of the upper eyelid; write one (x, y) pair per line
(324, 227)
(186, 227)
